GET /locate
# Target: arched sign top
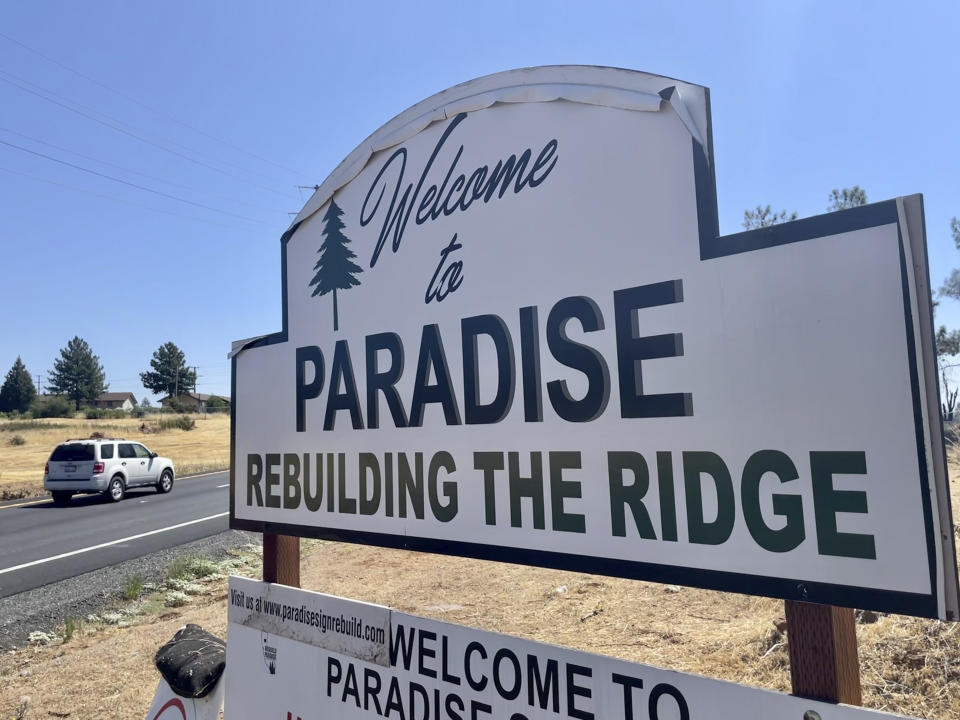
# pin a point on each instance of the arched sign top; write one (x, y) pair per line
(592, 85)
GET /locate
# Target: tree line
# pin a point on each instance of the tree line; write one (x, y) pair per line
(79, 377)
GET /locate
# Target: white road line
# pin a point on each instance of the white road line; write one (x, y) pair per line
(112, 542)
(225, 485)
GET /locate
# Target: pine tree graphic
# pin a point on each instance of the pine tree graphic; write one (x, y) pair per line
(335, 268)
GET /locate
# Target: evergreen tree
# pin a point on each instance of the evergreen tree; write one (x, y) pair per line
(18, 390)
(847, 198)
(170, 374)
(77, 373)
(335, 268)
(765, 217)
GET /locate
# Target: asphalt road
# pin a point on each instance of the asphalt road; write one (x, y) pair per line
(41, 543)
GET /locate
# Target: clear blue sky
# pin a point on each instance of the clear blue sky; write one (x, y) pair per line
(231, 105)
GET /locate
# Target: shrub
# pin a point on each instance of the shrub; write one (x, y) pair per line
(132, 586)
(174, 405)
(103, 413)
(175, 598)
(69, 626)
(181, 422)
(57, 406)
(217, 404)
(17, 440)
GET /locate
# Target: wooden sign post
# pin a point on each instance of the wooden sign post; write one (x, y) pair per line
(822, 641)
(281, 559)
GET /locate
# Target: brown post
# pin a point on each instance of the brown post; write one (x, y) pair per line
(822, 640)
(281, 559)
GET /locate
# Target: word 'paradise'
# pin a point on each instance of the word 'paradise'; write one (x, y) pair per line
(632, 348)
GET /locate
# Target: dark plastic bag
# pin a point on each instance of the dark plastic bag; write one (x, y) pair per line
(192, 661)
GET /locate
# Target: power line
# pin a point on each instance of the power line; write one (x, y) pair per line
(115, 198)
(113, 125)
(108, 163)
(145, 106)
(125, 182)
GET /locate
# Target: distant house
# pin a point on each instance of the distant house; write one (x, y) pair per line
(194, 402)
(115, 401)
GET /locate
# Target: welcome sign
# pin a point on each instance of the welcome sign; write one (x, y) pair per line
(512, 331)
(434, 670)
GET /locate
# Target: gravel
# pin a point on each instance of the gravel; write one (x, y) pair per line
(42, 609)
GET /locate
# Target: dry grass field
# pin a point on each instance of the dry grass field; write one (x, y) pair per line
(206, 447)
(908, 665)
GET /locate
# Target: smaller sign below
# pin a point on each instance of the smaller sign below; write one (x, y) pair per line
(346, 627)
(433, 670)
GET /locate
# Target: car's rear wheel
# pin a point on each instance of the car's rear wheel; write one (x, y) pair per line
(61, 497)
(166, 482)
(115, 490)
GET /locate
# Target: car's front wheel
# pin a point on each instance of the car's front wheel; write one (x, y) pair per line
(166, 482)
(115, 490)
(61, 497)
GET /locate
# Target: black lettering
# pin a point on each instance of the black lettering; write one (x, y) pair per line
(579, 357)
(495, 328)
(385, 381)
(474, 648)
(307, 391)
(574, 691)
(632, 348)
(424, 393)
(341, 372)
(653, 704)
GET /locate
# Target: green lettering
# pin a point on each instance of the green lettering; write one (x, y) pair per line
(561, 489)
(827, 502)
(489, 463)
(273, 479)
(622, 495)
(789, 507)
(254, 477)
(717, 532)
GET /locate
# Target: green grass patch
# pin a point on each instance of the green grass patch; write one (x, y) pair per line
(18, 425)
(69, 627)
(181, 422)
(132, 587)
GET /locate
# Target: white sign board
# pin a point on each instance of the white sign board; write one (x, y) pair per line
(439, 671)
(511, 331)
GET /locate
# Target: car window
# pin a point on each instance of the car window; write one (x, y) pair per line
(141, 451)
(125, 451)
(74, 452)
(106, 451)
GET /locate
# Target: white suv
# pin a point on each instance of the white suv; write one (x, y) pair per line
(104, 465)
